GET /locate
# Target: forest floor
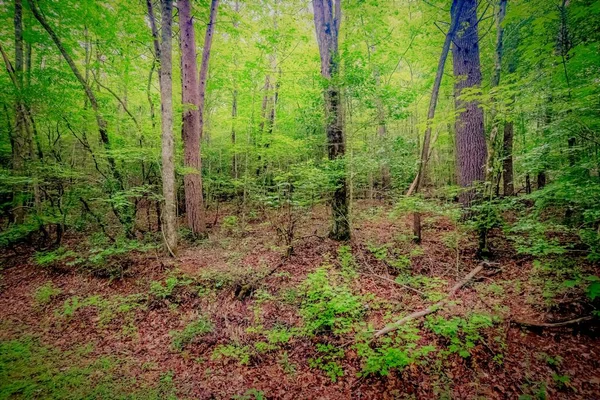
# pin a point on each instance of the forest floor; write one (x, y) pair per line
(175, 328)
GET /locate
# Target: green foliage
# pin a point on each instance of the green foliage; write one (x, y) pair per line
(328, 305)
(166, 290)
(329, 360)
(30, 370)
(463, 334)
(192, 332)
(431, 286)
(393, 352)
(53, 258)
(347, 261)
(237, 352)
(45, 293)
(251, 394)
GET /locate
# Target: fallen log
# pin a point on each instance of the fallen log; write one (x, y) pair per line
(431, 309)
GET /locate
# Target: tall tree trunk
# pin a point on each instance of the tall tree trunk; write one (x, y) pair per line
(386, 180)
(190, 132)
(327, 16)
(168, 143)
(471, 151)
(490, 172)
(418, 181)
(19, 135)
(425, 153)
(507, 162)
(210, 28)
(234, 159)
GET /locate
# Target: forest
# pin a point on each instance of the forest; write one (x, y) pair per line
(300, 199)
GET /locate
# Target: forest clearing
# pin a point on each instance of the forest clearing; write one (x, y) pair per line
(293, 199)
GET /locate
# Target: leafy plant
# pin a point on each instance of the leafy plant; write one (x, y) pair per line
(192, 332)
(237, 352)
(45, 293)
(328, 305)
(463, 333)
(328, 360)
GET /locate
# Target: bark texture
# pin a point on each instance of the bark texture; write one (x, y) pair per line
(327, 17)
(169, 220)
(192, 179)
(471, 151)
(210, 28)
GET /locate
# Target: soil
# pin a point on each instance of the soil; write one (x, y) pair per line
(510, 361)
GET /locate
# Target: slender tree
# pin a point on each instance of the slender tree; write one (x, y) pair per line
(327, 17)
(190, 132)
(471, 151)
(210, 28)
(168, 142)
(425, 152)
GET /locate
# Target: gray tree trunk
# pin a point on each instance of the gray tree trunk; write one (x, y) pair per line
(471, 150)
(190, 132)
(169, 221)
(327, 16)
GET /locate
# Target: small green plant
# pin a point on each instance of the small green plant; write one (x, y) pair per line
(54, 258)
(463, 333)
(192, 332)
(328, 360)
(328, 305)
(45, 293)
(347, 262)
(561, 381)
(250, 394)
(285, 363)
(237, 352)
(230, 224)
(394, 352)
(429, 285)
(165, 290)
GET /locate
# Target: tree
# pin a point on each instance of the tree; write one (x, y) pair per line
(190, 132)
(471, 151)
(168, 142)
(416, 185)
(327, 17)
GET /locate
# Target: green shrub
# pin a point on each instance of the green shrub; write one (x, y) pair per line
(328, 360)
(191, 332)
(328, 305)
(45, 293)
(237, 352)
(463, 333)
(393, 352)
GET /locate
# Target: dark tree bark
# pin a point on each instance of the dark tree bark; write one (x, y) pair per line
(169, 221)
(327, 16)
(192, 179)
(234, 160)
(471, 150)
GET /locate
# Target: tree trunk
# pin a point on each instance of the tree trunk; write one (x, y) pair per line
(416, 185)
(327, 17)
(169, 221)
(205, 57)
(234, 160)
(471, 151)
(190, 132)
(507, 162)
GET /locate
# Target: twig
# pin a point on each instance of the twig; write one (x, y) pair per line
(431, 309)
(552, 324)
